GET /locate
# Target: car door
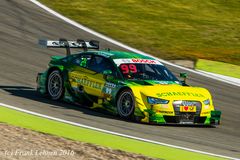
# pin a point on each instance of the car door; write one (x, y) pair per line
(86, 74)
(98, 65)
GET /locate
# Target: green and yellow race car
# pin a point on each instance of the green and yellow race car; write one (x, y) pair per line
(130, 85)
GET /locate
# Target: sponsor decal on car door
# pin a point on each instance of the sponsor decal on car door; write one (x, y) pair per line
(92, 83)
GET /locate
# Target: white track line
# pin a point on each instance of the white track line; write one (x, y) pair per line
(123, 45)
(113, 133)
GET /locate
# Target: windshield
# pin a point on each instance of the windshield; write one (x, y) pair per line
(140, 71)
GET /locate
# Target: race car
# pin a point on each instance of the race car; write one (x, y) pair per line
(130, 85)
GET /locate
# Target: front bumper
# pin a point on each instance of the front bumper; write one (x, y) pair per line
(186, 118)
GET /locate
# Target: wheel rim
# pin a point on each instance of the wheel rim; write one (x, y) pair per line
(125, 104)
(55, 84)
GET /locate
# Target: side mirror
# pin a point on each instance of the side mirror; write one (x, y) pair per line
(107, 75)
(184, 76)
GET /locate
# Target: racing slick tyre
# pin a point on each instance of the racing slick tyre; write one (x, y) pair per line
(55, 88)
(126, 104)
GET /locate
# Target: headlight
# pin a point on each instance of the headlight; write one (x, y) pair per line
(206, 102)
(152, 100)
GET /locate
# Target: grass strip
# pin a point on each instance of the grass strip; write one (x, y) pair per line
(175, 29)
(39, 124)
(218, 67)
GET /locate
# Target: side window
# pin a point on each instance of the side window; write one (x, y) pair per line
(149, 69)
(83, 60)
(99, 64)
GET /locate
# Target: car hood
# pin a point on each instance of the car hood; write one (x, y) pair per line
(173, 92)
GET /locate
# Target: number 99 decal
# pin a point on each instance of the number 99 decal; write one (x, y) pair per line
(126, 68)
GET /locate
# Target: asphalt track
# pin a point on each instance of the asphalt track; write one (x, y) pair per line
(21, 25)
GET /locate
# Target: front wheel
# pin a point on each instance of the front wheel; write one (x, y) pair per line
(126, 104)
(55, 85)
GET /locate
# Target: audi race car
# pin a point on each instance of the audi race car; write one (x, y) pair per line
(130, 85)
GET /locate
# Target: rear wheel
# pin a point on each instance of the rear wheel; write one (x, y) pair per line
(126, 104)
(55, 85)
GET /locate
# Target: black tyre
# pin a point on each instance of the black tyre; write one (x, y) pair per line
(55, 85)
(126, 104)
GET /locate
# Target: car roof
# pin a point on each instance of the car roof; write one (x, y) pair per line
(120, 54)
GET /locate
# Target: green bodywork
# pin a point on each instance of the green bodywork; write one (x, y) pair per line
(64, 63)
(110, 89)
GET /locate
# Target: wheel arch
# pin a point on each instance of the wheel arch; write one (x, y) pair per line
(49, 71)
(139, 113)
(119, 91)
(59, 68)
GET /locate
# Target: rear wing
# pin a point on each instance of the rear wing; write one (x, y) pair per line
(63, 43)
